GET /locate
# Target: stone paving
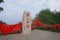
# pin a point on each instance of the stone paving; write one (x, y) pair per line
(35, 35)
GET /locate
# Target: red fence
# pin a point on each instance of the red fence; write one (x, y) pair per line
(38, 23)
(6, 29)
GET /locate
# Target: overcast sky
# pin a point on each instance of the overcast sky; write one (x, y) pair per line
(14, 9)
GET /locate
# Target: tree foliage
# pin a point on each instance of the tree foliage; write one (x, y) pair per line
(1, 9)
(57, 17)
(48, 17)
(1, 1)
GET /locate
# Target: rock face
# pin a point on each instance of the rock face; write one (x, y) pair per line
(26, 23)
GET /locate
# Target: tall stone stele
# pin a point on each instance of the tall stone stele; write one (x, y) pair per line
(26, 23)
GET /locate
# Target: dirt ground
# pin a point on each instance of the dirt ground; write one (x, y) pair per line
(35, 35)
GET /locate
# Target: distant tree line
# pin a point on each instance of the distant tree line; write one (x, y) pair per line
(48, 17)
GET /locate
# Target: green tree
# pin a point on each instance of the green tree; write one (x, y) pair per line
(46, 16)
(1, 9)
(57, 17)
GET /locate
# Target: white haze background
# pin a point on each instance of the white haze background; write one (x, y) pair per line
(14, 9)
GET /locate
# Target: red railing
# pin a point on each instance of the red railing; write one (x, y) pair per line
(6, 29)
(38, 23)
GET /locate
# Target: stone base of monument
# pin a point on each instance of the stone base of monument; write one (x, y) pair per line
(26, 32)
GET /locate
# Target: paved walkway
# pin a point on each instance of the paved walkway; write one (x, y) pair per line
(35, 35)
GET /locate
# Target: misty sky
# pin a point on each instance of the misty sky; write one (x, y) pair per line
(14, 9)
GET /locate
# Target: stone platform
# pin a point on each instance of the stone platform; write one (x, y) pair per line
(35, 35)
